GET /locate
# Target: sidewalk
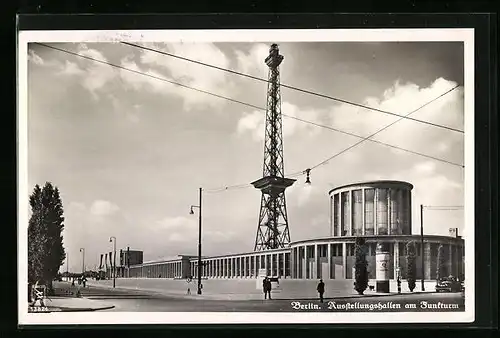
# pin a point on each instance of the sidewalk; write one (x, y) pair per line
(257, 295)
(71, 304)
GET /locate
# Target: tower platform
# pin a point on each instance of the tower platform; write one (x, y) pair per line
(272, 185)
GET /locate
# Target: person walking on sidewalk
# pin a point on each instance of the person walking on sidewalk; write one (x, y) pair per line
(266, 286)
(321, 290)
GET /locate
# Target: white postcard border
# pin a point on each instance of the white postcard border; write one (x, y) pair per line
(330, 35)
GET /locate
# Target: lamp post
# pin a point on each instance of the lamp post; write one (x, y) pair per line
(199, 241)
(422, 243)
(113, 239)
(83, 260)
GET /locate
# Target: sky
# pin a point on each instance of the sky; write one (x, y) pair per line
(129, 152)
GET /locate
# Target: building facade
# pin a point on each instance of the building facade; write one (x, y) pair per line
(378, 211)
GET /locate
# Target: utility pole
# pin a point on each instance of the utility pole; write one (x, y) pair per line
(199, 240)
(113, 268)
(199, 247)
(83, 261)
(422, 243)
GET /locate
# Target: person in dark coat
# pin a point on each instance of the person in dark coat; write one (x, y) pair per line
(321, 290)
(266, 287)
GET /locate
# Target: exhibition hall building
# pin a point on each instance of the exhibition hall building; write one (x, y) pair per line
(379, 211)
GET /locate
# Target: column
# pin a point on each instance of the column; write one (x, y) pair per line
(254, 266)
(254, 269)
(283, 274)
(349, 231)
(245, 266)
(344, 260)
(331, 216)
(315, 273)
(305, 274)
(297, 262)
(396, 260)
(339, 215)
(363, 226)
(242, 271)
(329, 253)
(389, 213)
(450, 262)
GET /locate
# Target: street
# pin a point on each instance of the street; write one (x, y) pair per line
(144, 301)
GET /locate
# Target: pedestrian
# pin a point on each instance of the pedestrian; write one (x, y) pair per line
(266, 287)
(269, 287)
(189, 291)
(84, 281)
(321, 290)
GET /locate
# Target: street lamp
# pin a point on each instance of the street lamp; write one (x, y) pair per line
(422, 243)
(191, 212)
(113, 239)
(83, 261)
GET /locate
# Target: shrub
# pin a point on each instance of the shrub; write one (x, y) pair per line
(411, 266)
(361, 266)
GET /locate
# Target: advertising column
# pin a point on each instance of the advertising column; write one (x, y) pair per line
(382, 267)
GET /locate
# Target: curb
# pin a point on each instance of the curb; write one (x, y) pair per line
(71, 309)
(218, 296)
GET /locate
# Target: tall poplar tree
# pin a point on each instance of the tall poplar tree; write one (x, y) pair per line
(45, 241)
(360, 266)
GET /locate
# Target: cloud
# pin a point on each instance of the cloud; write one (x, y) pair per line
(253, 61)
(185, 230)
(190, 74)
(98, 75)
(254, 122)
(103, 208)
(35, 58)
(425, 167)
(71, 68)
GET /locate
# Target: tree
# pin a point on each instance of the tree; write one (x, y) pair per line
(411, 265)
(45, 242)
(361, 266)
(440, 268)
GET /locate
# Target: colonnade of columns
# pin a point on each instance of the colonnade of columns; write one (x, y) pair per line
(162, 270)
(303, 261)
(275, 264)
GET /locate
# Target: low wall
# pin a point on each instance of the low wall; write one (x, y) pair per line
(286, 289)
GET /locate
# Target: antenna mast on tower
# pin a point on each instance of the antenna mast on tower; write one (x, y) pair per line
(272, 230)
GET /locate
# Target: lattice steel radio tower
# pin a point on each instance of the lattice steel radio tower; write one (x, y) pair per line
(272, 231)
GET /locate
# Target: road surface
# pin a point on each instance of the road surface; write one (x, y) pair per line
(144, 301)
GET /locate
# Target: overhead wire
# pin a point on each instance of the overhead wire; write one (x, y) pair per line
(239, 186)
(306, 91)
(377, 132)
